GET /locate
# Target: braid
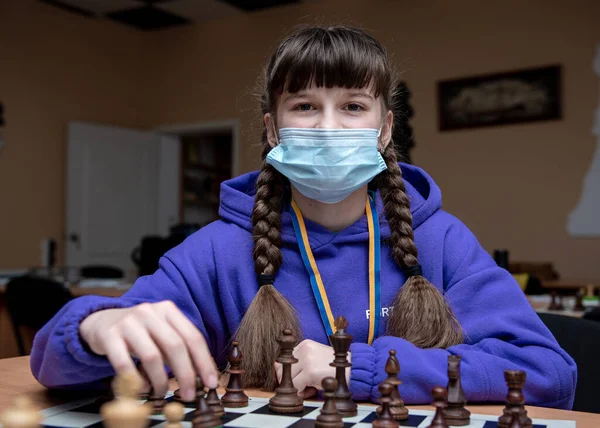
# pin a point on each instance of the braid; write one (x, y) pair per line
(266, 221)
(421, 314)
(269, 313)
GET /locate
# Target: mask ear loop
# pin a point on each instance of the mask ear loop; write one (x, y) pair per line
(275, 133)
(380, 149)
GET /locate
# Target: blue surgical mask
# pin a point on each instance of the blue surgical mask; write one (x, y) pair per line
(327, 165)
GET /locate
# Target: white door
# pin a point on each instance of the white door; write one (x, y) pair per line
(116, 180)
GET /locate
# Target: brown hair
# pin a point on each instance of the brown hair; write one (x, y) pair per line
(333, 57)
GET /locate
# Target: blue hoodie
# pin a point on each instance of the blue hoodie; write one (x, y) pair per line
(211, 278)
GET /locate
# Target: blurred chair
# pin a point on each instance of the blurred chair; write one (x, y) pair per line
(580, 338)
(99, 271)
(31, 302)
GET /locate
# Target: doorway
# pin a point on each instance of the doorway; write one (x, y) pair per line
(209, 155)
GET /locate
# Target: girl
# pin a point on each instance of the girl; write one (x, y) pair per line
(330, 225)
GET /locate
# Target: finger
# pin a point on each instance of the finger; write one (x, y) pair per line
(309, 392)
(173, 347)
(278, 371)
(117, 353)
(141, 344)
(145, 382)
(301, 382)
(197, 347)
(299, 352)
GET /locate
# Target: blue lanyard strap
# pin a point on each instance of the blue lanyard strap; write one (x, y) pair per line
(316, 281)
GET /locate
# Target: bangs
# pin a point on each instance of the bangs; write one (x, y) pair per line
(330, 57)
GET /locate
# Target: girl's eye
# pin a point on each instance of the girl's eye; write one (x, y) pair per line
(354, 107)
(303, 107)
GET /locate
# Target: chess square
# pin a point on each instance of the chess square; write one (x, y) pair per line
(253, 406)
(494, 424)
(253, 420)
(305, 423)
(72, 420)
(264, 410)
(412, 421)
(93, 407)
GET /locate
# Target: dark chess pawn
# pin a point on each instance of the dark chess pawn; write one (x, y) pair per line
(213, 401)
(234, 392)
(329, 416)
(515, 380)
(455, 413)
(286, 398)
(204, 416)
(440, 395)
(340, 342)
(385, 418)
(156, 402)
(397, 408)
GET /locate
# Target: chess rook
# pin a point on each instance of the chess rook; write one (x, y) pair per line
(329, 417)
(455, 413)
(234, 392)
(515, 420)
(515, 380)
(286, 398)
(397, 408)
(340, 341)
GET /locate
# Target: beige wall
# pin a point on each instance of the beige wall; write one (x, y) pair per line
(55, 67)
(513, 186)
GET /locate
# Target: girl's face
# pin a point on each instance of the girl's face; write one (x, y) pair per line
(334, 107)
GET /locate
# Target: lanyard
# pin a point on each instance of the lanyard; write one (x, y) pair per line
(316, 281)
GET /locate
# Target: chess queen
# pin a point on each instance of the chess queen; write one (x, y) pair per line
(331, 224)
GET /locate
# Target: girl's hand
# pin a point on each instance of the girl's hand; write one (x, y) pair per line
(312, 366)
(157, 334)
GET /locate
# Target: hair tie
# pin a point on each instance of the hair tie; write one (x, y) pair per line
(265, 279)
(415, 270)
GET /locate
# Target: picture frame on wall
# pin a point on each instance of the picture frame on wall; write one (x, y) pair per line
(521, 96)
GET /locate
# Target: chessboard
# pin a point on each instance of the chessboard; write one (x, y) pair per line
(85, 413)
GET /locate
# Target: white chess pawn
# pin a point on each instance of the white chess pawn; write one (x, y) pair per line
(125, 411)
(22, 415)
(174, 414)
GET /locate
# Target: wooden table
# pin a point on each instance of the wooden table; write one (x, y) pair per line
(16, 379)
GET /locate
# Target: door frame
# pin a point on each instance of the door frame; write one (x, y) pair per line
(207, 127)
(182, 129)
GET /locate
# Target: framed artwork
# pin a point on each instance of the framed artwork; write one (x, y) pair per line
(520, 96)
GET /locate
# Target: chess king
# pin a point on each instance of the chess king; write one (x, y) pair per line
(331, 224)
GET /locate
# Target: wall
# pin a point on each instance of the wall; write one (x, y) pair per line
(55, 67)
(513, 185)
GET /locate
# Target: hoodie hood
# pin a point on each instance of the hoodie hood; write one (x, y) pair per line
(237, 202)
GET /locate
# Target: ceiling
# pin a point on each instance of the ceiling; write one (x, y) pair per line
(148, 15)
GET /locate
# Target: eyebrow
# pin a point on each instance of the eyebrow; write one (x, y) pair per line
(301, 94)
(361, 94)
(294, 95)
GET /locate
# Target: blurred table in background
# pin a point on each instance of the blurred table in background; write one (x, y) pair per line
(83, 287)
